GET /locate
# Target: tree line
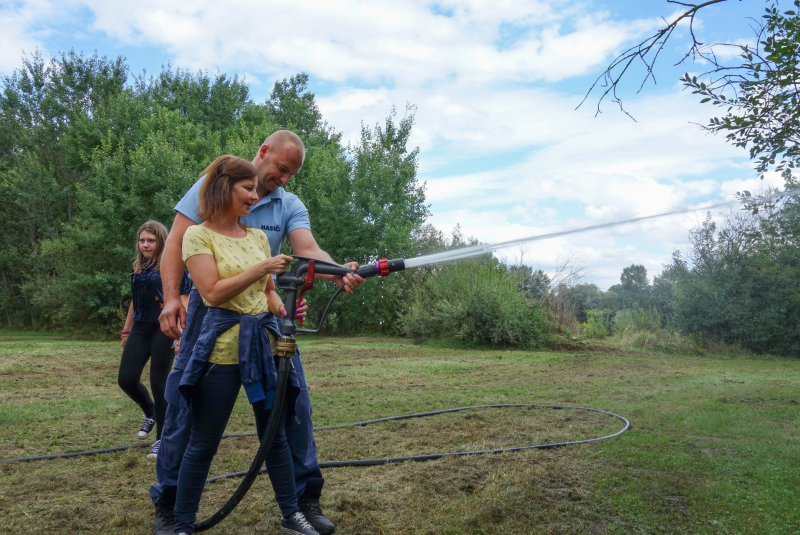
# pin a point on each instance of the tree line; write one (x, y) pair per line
(89, 151)
(739, 283)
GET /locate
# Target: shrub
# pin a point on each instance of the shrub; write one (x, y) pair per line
(476, 301)
(598, 324)
(637, 319)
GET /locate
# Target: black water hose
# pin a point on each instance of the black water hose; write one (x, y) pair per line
(276, 417)
(370, 462)
(434, 456)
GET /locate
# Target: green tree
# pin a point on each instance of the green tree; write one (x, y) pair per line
(737, 287)
(367, 207)
(738, 282)
(584, 297)
(293, 107)
(533, 283)
(634, 290)
(759, 96)
(87, 155)
(41, 157)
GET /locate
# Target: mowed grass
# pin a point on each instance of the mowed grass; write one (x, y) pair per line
(714, 445)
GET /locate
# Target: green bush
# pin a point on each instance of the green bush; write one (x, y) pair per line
(636, 319)
(475, 302)
(598, 324)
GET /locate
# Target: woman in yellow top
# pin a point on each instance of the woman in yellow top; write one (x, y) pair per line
(231, 267)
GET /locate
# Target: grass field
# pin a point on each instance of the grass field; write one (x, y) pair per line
(714, 445)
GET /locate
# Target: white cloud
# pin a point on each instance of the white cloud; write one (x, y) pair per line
(609, 168)
(482, 75)
(18, 32)
(401, 41)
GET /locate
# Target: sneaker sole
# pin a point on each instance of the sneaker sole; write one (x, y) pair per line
(141, 436)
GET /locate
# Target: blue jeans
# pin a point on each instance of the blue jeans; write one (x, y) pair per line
(178, 421)
(213, 398)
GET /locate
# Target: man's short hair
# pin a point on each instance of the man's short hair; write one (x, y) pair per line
(279, 139)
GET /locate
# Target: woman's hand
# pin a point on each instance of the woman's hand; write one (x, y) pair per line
(276, 306)
(277, 264)
(300, 313)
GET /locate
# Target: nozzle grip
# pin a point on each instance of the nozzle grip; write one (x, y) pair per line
(367, 270)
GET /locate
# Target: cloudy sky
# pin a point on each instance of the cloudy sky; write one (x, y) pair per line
(504, 151)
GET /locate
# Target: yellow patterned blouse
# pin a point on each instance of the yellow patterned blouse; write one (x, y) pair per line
(233, 256)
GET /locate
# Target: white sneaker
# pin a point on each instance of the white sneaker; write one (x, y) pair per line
(147, 427)
(154, 452)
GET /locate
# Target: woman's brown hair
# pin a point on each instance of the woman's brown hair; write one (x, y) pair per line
(221, 176)
(160, 232)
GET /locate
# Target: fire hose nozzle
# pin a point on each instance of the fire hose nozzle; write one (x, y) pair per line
(381, 268)
(300, 278)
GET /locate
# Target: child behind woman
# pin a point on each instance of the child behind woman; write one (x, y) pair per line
(142, 339)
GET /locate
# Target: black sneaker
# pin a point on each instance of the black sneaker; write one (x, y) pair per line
(298, 525)
(313, 513)
(164, 523)
(154, 451)
(147, 427)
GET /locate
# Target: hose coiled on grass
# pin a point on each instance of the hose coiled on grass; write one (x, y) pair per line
(360, 462)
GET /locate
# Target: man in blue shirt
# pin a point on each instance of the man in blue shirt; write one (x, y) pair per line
(280, 215)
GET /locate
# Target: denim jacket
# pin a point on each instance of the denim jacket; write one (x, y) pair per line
(256, 363)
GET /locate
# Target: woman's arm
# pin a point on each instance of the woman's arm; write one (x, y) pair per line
(128, 324)
(203, 269)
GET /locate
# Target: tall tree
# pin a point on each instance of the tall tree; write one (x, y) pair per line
(634, 290)
(369, 207)
(41, 164)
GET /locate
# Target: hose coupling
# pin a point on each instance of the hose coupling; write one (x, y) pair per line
(285, 347)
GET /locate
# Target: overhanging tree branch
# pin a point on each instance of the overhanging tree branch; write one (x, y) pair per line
(647, 52)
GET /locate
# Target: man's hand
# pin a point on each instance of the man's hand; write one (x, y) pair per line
(350, 281)
(172, 318)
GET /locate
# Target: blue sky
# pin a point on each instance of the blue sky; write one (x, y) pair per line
(504, 152)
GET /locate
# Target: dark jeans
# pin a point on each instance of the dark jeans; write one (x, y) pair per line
(212, 401)
(146, 341)
(178, 422)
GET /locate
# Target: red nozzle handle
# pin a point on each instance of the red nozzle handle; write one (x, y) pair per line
(307, 285)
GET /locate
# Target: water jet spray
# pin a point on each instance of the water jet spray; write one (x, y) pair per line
(300, 278)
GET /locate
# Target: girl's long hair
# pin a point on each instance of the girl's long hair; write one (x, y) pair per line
(221, 176)
(160, 232)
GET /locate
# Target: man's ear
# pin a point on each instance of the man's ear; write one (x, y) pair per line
(262, 152)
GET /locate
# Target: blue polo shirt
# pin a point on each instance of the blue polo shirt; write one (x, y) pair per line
(277, 214)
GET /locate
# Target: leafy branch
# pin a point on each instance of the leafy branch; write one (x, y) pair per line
(762, 114)
(647, 53)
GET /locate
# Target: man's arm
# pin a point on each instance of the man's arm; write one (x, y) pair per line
(304, 244)
(173, 315)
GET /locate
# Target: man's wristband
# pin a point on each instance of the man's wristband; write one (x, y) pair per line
(124, 334)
